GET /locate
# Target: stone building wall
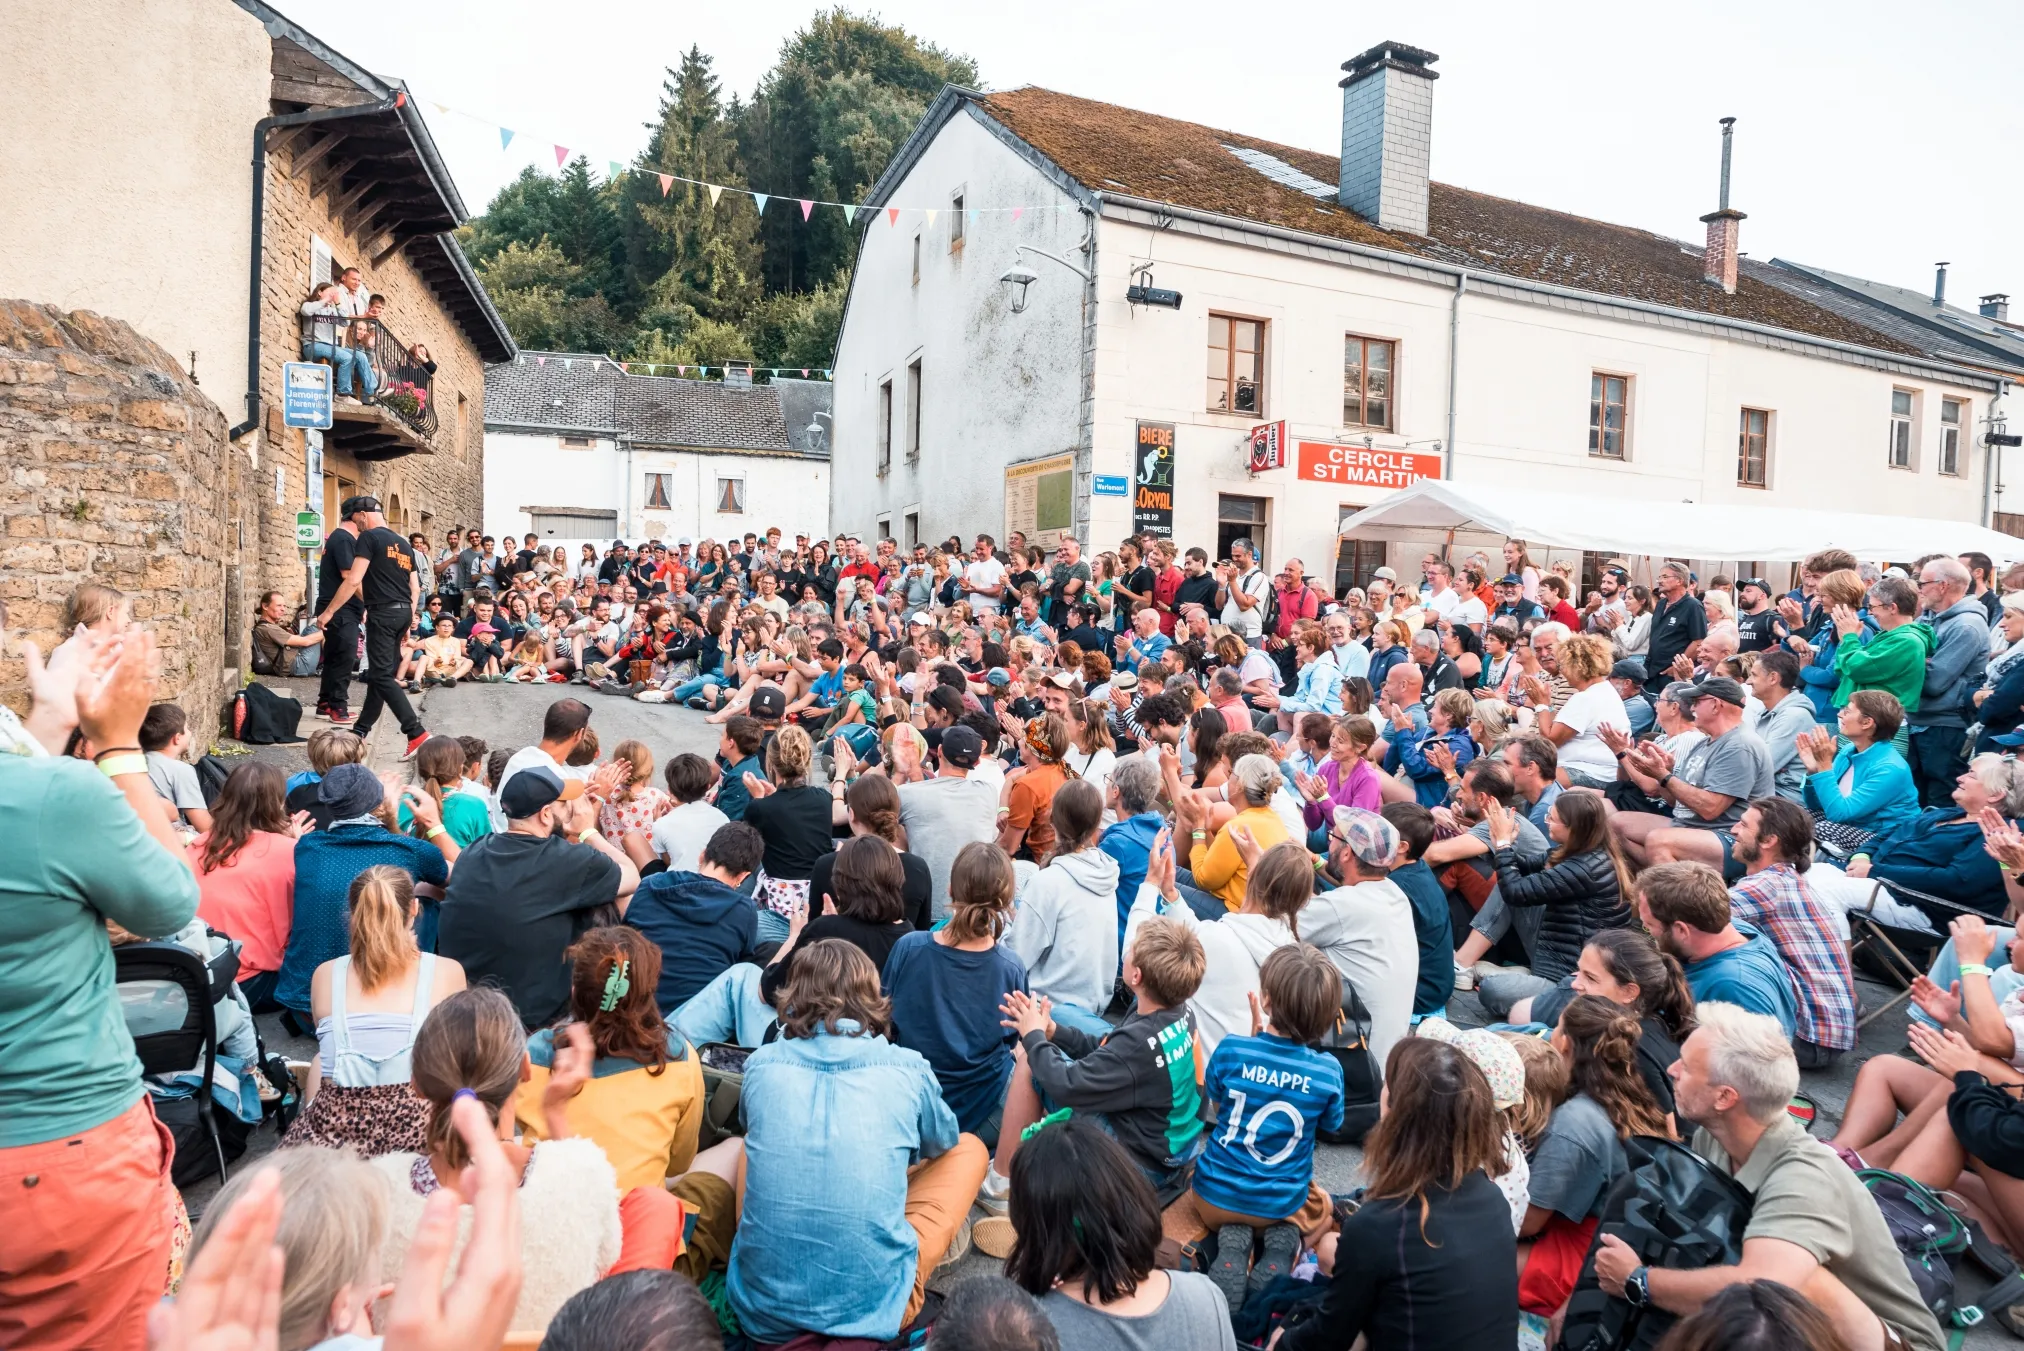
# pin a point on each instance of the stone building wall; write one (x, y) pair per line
(113, 469)
(421, 492)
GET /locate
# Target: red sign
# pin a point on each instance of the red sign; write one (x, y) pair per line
(1268, 446)
(1355, 466)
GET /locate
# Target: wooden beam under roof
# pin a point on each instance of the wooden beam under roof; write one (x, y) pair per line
(301, 164)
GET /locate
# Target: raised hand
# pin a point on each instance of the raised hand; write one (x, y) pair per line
(2003, 841)
(231, 1295)
(1246, 844)
(1974, 940)
(1942, 1006)
(1503, 823)
(1160, 864)
(757, 787)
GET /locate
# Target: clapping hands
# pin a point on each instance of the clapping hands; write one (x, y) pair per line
(1816, 748)
(1026, 1013)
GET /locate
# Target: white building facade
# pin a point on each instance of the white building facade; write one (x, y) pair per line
(578, 450)
(1361, 359)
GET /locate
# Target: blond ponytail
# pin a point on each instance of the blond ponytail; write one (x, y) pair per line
(383, 943)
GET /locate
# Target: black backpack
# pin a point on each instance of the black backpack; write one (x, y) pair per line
(1362, 1078)
(270, 719)
(1934, 1240)
(1674, 1209)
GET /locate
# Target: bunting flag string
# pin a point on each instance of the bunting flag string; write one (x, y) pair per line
(681, 369)
(616, 168)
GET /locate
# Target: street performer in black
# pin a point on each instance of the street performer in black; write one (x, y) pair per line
(338, 613)
(383, 572)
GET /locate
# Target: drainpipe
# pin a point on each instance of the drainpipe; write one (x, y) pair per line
(260, 130)
(1454, 367)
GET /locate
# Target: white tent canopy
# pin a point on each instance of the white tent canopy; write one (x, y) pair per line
(1671, 529)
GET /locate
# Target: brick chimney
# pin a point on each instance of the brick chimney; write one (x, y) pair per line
(1387, 135)
(1718, 260)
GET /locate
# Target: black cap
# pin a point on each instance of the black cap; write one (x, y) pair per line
(1720, 687)
(768, 703)
(529, 790)
(1757, 582)
(352, 506)
(962, 747)
(1630, 668)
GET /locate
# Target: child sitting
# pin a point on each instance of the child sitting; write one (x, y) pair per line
(947, 986)
(529, 661)
(1505, 1070)
(1272, 1093)
(1139, 1080)
(738, 755)
(856, 719)
(328, 748)
(445, 661)
(165, 737)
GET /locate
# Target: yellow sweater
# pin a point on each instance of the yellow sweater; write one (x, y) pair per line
(1218, 867)
(646, 1122)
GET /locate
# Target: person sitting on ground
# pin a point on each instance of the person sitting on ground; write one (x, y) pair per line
(1132, 798)
(1864, 788)
(1580, 891)
(990, 1313)
(635, 804)
(702, 922)
(1432, 927)
(369, 1006)
(1755, 1316)
(853, 1163)
(1486, 781)
(1708, 787)
(328, 859)
(1813, 1226)
(678, 837)
(1279, 884)
(1626, 967)
(636, 1310)
(1218, 867)
(165, 740)
(1581, 1155)
(643, 1101)
(863, 903)
(1261, 1192)
(872, 805)
(1346, 778)
(1497, 1055)
(1774, 841)
(1064, 926)
(522, 896)
(794, 817)
(245, 867)
(445, 660)
(946, 988)
(1088, 1226)
(1427, 1261)
(1026, 814)
(1685, 908)
(1365, 926)
(462, 806)
(1137, 1081)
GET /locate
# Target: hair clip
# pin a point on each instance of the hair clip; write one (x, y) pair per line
(1052, 1118)
(616, 986)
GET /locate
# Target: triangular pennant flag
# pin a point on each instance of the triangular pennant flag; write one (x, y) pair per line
(715, 192)
(561, 155)
(759, 200)
(892, 215)
(541, 361)
(567, 363)
(806, 207)
(667, 182)
(1016, 212)
(931, 215)
(505, 138)
(973, 215)
(804, 372)
(616, 170)
(849, 213)
(439, 108)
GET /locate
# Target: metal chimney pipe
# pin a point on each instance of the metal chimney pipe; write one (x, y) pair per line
(1728, 138)
(1940, 286)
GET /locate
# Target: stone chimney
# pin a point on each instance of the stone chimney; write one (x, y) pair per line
(1718, 259)
(1387, 135)
(1997, 307)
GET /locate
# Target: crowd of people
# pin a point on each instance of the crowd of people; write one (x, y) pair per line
(1049, 908)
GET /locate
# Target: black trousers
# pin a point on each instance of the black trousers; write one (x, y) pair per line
(340, 656)
(385, 630)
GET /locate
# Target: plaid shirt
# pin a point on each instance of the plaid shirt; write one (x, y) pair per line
(1779, 904)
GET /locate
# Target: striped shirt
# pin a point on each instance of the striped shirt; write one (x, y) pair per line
(1782, 907)
(1271, 1096)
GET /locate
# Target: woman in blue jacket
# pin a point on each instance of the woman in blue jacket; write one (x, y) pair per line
(1939, 852)
(1879, 792)
(1999, 705)
(1448, 723)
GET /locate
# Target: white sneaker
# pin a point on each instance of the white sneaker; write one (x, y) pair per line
(1465, 977)
(995, 1196)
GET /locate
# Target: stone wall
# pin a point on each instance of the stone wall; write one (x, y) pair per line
(113, 469)
(421, 492)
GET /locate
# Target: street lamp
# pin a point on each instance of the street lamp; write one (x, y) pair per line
(815, 429)
(1019, 277)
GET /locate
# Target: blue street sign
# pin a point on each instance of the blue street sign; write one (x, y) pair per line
(1111, 485)
(305, 394)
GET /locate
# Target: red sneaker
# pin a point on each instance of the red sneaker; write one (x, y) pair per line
(414, 744)
(342, 717)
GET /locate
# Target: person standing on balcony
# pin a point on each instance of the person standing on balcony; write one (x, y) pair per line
(353, 299)
(339, 611)
(385, 576)
(323, 326)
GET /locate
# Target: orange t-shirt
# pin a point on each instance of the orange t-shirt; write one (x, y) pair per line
(1032, 804)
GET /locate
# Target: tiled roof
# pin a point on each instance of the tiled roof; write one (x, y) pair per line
(1108, 148)
(586, 393)
(1945, 331)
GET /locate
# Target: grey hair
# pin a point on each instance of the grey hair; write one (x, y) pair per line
(1137, 781)
(1952, 571)
(1227, 681)
(1750, 1053)
(1999, 775)
(1681, 694)
(991, 1313)
(1552, 630)
(1427, 638)
(1257, 777)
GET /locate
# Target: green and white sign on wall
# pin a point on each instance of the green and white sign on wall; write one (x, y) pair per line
(308, 529)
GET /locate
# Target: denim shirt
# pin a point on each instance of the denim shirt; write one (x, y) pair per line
(833, 1123)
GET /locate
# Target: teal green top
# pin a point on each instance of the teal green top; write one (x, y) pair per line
(75, 855)
(465, 816)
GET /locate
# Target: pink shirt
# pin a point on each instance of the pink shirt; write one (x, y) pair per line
(1359, 789)
(252, 898)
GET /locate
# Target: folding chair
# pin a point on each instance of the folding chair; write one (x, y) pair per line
(166, 992)
(1885, 944)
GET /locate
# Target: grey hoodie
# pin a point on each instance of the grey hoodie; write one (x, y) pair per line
(1960, 653)
(1065, 928)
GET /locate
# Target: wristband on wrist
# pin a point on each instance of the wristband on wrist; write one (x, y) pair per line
(1974, 969)
(122, 763)
(434, 831)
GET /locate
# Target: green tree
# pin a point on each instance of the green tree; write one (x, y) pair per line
(798, 330)
(536, 291)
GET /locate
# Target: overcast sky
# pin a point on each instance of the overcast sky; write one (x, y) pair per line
(1872, 138)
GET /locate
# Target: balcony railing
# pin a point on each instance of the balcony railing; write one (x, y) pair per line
(363, 351)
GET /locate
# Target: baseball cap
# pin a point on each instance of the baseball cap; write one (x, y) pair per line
(529, 790)
(1387, 574)
(684, 541)
(998, 676)
(2015, 738)
(1374, 840)
(1720, 687)
(1630, 668)
(1066, 680)
(962, 747)
(1510, 579)
(352, 506)
(768, 702)
(1757, 582)
(921, 620)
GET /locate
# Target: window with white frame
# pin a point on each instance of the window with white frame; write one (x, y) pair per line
(885, 427)
(322, 266)
(730, 494)
(1753, 448)
(917, 259)
(660, 488)
(1609, 415)
(914, 409)
(1900, 429)
(1951, 417)
(956, 222)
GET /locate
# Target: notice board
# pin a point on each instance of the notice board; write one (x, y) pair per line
(1040, 500)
